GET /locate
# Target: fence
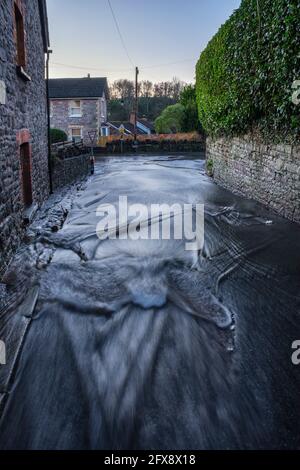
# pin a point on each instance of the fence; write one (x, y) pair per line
(183, 142)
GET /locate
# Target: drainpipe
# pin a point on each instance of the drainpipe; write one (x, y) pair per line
(48, 112)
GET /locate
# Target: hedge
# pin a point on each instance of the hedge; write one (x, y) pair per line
(245, 76)
(57, 135)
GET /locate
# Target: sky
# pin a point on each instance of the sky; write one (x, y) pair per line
(164, 38)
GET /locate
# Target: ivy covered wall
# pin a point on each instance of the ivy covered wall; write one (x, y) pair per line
(247, 76)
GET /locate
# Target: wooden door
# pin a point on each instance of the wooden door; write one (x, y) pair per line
(26, 174)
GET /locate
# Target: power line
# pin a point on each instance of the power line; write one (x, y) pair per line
(119, 31)
(146, 67)
(87, 67)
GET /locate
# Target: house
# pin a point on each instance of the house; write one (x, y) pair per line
(144, 127)
(24, 176)
(78, 106)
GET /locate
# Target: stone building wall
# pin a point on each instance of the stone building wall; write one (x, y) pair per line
(89, 121)
(70, 170)
(269, 174)
(23, 119)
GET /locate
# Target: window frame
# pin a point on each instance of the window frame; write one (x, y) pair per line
(72, 107)
(20, 36)
(71, 134)
(104, 131)
(20, 40)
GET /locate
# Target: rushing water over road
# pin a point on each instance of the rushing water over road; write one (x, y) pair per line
(139, 344)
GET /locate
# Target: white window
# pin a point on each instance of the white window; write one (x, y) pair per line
(75, 108)
(76, 134)
(105, 131)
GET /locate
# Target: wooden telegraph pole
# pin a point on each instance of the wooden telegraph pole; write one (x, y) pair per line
(136, 107)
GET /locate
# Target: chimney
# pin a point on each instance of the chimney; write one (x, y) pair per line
(89, 75)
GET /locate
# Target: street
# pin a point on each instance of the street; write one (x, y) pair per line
(140, 344)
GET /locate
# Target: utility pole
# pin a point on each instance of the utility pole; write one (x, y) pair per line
(136, 107)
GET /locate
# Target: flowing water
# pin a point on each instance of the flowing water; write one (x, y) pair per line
(122, 344)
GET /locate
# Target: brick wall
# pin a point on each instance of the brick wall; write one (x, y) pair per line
(23, 115)
(269, 174)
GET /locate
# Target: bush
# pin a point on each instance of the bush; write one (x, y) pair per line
(57, 135)
(188, 100)
(182, 117)
(171, 120)
(244, 77)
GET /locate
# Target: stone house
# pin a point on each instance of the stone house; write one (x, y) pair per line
(78, 106)
(24, 172)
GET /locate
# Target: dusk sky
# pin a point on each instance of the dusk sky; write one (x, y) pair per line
(157, 33)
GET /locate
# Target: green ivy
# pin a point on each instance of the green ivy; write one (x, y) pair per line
(245, 75)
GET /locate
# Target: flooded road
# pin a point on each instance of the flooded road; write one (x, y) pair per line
(122, 344)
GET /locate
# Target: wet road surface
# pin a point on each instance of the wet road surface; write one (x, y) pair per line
(122, 344)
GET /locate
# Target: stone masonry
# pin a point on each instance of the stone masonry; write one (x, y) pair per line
(269, 174)
(69, 170)
(23, 119)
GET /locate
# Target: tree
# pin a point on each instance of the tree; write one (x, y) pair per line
(153, 98)
(117, 111)
(146, 89)
(188, 95)
(169, 89)
(122, 93)
(182, 117)
(146, 92)
(176, 87)
(188, 100)
(122, 89)
(171, 120)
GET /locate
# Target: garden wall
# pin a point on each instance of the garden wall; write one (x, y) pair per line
(68, 170)
(269, 174)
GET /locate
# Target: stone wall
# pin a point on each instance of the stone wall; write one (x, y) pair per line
(69, 170)
(23, 118)
(269, 174)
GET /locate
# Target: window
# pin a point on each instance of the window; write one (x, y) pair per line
(20, 37)
(75, 109)
(76, 134)
(105, 131)
(51, 109)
